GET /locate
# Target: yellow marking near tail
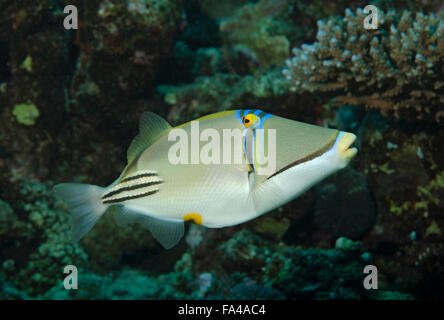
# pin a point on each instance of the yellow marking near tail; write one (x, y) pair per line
(195, 217)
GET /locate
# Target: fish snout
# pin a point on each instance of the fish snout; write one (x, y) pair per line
(344, 148)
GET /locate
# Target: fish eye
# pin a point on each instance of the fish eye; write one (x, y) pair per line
(250, 120)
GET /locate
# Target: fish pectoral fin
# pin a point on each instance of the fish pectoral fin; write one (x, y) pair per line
(167, 232)
(265, 194)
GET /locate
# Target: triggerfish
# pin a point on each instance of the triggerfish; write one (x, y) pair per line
(217, 171)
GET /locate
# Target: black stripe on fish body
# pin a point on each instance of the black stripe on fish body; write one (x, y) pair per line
(131, 188)
(130, 197)
(141, 175)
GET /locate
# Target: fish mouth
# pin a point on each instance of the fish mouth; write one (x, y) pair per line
(344, 148)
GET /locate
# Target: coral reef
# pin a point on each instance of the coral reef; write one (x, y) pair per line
(35, 239)
(395, 68)
(80, 80)
(404, 168)
(295, 273)
(221, 92)
(247, 32)
(103, 37)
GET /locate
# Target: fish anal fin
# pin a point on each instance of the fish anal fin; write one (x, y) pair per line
(167, 232)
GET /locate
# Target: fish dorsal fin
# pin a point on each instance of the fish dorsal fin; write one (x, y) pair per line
(151, 127)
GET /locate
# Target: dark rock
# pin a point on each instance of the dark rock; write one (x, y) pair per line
(344, 206)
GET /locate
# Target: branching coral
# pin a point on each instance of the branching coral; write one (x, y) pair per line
(395, 68)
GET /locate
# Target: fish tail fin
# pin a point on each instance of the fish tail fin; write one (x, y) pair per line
(84, 204)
